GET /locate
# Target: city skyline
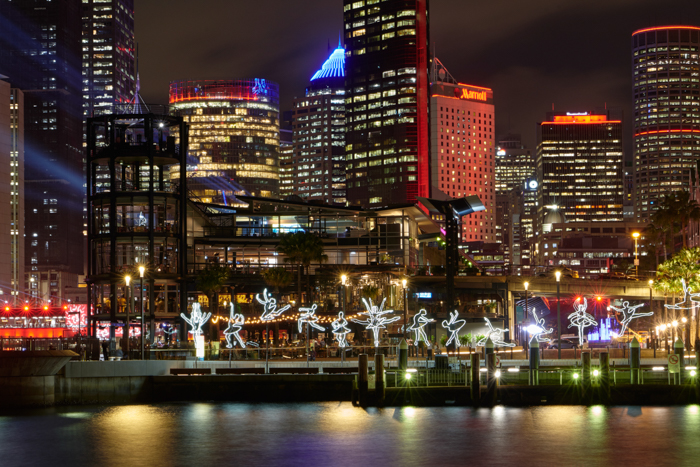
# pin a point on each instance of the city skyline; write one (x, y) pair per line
(500, 48)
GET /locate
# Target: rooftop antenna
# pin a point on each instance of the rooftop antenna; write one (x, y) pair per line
(340, 38)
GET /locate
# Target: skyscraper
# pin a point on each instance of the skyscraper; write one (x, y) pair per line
(40, 54)
(386, 101)
(319, 127)
(666, 78)
(108, 55)
(11, 188)
(514, 164)
(233, 139)
(579, 163)
(462, 149)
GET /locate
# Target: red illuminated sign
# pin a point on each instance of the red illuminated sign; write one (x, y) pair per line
(470, 95)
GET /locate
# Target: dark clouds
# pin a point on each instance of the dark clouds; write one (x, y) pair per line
(573, 53)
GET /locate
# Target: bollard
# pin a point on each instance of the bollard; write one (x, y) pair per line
(534, 373)
(488, 347)
(585, 373)
(363, 379)
(635, 361)
(403, 355)
(475, 388)
(605, 374)
(380, 380)
(679, 349)
(492, 379)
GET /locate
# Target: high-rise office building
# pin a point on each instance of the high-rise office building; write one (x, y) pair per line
(514, 164)
(462, 148)
(319, 127)
(108, 55)
(666, 81)
(579, 163)
(40, 54)
(386, 101)
(11, 189)
(234, 136)
(286, 162)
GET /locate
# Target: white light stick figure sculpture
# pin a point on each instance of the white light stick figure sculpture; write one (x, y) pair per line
(629, 313)
(538, 330)
(581, 319)
(196, 320)
(235, 325)
(453, 325)
(375, 318)
(270, 310)
(689, 299)
(496, 336)
(308, 315)
(340, 330)
(419, 321)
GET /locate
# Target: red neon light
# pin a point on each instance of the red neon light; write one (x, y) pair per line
(665, 27)
(472, 86)
(213, 98)
(666, 131)
(46, 308)
(26, 308)
(7, 308)
(581, 123)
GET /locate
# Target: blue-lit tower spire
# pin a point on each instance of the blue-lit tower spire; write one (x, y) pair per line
(334, 67)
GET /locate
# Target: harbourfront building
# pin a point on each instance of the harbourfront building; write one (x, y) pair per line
(386, 101)
(319, 127)
(462, 148)
(234, 133)
(666, 91)
(580, 165)
(108, 55)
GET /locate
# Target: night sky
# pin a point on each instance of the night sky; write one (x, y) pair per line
(533, 53)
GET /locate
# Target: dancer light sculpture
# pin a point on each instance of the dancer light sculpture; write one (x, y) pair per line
(376, 318)
(308, 315)
(419, 321)
(340, 330)
(580, 319)
(453, 326)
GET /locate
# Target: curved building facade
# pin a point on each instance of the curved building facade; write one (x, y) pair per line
(234, 136)
(666, 75)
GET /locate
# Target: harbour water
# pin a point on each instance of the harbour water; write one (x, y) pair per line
(333, 434)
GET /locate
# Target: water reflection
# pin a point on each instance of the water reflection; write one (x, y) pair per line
(339, 434)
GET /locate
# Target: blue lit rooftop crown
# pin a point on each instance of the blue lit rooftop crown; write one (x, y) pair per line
(334, 67)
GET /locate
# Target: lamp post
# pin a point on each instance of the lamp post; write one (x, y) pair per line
(404, 282)
(557, 274)
(143, 327)
(343, 280)
(127, 279)
(635, 235)
(527, 284)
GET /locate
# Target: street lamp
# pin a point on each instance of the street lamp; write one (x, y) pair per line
(526, 284)
(127, 279)
(343, 281)
(635, 235)
(142, 269)
(557, 274)
(404, 283)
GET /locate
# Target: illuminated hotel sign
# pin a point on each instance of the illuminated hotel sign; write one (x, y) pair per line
(463, 92)
(468, 94)
(575, 118)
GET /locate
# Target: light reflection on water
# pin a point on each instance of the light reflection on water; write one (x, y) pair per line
(339, 434)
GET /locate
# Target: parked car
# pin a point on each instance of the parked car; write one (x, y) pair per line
(563, 343)
(565, 272)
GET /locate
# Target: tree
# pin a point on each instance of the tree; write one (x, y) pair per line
(683, 268)
(686, 209)
(210, 281)
(302, 248)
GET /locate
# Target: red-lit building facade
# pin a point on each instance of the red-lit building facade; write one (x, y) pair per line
(463, 150)
(386, 101)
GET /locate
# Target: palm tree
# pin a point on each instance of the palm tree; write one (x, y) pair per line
(302, 248)
(210, 281)
(664, 219)
(685, 266)
(686, 209)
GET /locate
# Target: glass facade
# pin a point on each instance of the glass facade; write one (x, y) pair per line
(579, 163)
(234, 137)
(386, 101)
(666, 80)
